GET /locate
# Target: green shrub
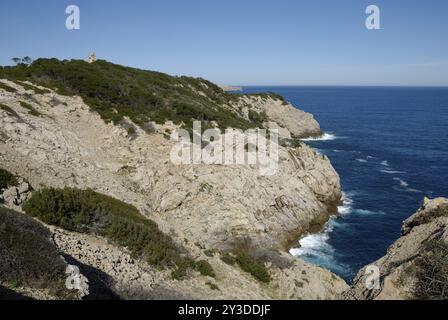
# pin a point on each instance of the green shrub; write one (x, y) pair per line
(28, 256)
(91, 212)
(248, 263)
(6, 87)
(253, 266)
(30, 109)
(432, 272)
(131, 130)
(258, 117)
(7, 179)
(228, 258)
(205, 268)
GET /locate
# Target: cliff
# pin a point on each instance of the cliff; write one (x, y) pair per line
(415, 266)
(59, 140)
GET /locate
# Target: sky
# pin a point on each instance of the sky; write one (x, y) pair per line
(242, 42)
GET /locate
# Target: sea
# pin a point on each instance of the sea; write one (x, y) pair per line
(390, 148)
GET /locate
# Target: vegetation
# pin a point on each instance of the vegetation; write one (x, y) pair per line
(248, 263)
(8, 110)
(7, 179)
(30, 109)
(116, 91)
(7, 88)
(131, 130)
(253, 266)
(28, 257)
(36, 90)
(432, 272)
(212, 285)
(90, 212)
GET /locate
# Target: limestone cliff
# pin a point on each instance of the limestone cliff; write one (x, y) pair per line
(63, 143)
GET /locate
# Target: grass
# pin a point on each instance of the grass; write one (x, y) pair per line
(7, 179)
(116, 92)
(28, 257)
(90, 212)
(7, 88)
(30, 109)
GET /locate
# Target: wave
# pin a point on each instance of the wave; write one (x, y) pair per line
(362, 160)
(391, 171)
(385, 163)
(347, 204)
(364, 212)
(402, 182)
(324, 137)
(404, 186)
(317, 249)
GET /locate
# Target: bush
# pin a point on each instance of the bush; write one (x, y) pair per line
(205, 268)
(7, 179)
(87, 211)
(253, 266)
(28, 257)
(228, 258)
(432, 272)
(248, 263)
(131, 130)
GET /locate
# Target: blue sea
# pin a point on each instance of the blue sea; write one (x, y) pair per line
(390, 148)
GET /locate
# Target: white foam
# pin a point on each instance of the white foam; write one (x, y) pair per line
(402, 182)
(385, 163)
(324, 137)
(404, 186)
(391, 171)
(364, 212)
(347, 204)
(361, 160)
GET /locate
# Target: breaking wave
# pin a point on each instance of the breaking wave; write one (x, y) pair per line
(324, 137)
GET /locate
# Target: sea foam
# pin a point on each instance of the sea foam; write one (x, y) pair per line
(324, 137)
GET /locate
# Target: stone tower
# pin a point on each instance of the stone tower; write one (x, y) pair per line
(92, 58)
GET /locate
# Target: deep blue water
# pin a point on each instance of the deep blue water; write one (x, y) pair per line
(390, 148)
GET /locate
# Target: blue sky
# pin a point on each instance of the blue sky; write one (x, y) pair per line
(246, 42)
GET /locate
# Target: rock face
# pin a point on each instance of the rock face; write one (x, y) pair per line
(13, 197)
(397, 279)
(281, 114)
(201, 206)
(210, 205)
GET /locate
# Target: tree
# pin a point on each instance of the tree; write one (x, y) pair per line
(16, 60)
(27, 60)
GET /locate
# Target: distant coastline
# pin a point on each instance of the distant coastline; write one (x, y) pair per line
(230, 88)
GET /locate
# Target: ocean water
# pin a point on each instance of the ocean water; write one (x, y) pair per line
(390, 148)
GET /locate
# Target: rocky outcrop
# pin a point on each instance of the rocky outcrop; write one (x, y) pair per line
(281, 115)
(14, 196)
(397, 267)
